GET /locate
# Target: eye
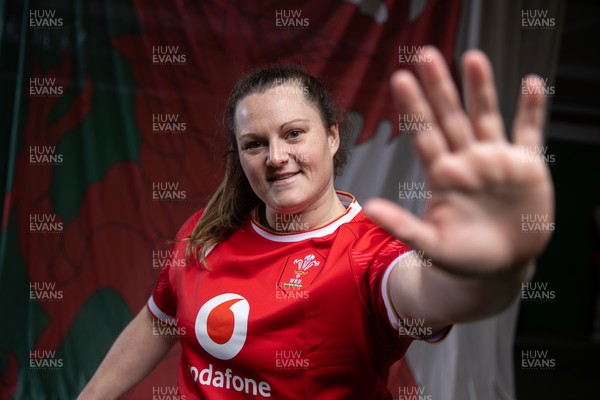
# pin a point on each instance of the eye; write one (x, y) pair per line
(253, 145)
(293, 134)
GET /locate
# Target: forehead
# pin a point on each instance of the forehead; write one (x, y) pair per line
(259, 111)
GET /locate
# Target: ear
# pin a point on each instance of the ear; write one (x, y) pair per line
(333, 139)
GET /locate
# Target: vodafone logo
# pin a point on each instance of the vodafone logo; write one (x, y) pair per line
(222, 325)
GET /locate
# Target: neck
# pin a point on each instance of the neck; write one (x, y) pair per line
(320, 213)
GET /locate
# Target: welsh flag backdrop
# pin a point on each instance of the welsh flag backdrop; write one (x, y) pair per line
(114, 137)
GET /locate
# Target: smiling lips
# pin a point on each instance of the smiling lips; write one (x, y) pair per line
(282, 177)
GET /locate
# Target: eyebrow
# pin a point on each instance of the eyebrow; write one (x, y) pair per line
(292, 121)
(280, 126)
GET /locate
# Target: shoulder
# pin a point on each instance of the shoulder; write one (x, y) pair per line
(368, 235)
(356, 223)
(372, 250)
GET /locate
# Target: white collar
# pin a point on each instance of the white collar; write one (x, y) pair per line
(352, 210)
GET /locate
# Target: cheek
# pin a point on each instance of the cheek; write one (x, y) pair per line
(247, 166)
(314, 154)
(319, 156)
(252, 167)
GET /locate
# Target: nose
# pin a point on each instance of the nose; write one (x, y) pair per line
(278, 155)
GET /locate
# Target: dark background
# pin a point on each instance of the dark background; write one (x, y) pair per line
(571, 263)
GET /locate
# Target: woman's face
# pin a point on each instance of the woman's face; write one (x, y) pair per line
(285, 151)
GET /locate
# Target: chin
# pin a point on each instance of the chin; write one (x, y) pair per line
(286, 203)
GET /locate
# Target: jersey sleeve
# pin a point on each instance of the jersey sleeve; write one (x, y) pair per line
(163, 301)
(375, 256)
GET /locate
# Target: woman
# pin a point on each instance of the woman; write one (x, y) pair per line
(291, 291)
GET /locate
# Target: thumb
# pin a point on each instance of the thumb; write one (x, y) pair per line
(402, 224)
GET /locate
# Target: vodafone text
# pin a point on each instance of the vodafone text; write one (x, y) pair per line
(227, 380)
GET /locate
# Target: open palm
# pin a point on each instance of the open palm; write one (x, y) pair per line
(492, 200)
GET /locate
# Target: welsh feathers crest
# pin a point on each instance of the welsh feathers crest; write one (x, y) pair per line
(305, 265)
(302, 266)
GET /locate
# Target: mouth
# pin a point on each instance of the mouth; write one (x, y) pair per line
(282, 178)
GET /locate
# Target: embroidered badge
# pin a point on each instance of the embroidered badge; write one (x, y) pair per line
(299, 272)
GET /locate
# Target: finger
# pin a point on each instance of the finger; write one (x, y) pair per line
(481, 97)
(402, 224)
(444, 99)
(527, 128)
(411, 103)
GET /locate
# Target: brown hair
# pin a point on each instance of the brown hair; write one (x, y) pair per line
(234, 198)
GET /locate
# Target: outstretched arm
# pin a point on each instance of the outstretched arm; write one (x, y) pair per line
(134, 355)
(483, 188)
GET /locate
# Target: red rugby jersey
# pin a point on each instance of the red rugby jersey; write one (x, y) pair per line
(285, 316)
